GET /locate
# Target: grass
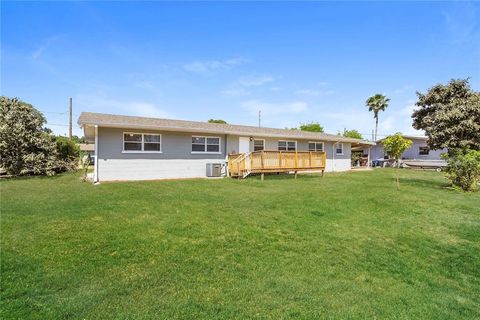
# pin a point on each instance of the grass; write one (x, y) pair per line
(344, 246)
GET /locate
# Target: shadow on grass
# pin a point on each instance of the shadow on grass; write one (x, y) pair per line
(429, 183)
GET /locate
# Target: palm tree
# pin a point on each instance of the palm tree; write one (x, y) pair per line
(376, 104)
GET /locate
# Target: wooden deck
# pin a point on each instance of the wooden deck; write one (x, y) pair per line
(243, 164)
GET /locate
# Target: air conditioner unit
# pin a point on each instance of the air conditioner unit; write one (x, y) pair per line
(214, 169)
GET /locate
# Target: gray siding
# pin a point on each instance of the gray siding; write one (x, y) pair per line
(410, 153)
(175, 145)
(341, 163)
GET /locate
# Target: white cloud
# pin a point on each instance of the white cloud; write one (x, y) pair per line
(210, 66)
(238, 88)
(461, 23)
(403, 89)
(274, 109)
(254, 81)
(45, 45)
(317, 90)
(136, 108)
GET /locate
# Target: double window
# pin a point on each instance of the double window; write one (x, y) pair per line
(339, 148)
(142, 142)
(287, 145)
(258, 144)
(423, 151)
(202, 144)
(315, 146)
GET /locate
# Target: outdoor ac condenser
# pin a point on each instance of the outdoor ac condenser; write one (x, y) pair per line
(214, 169)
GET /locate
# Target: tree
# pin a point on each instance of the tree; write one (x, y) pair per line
(78, 139)
(463, 168)
(68, 153)
(217, 121)
(25, 147)
(312, 127)
(375, 104)
(449, 115)
(395, 146)
(352, 134)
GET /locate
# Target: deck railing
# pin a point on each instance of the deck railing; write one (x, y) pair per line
(243, 164)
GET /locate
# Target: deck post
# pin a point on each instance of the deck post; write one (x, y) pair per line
(261, 158)
(296, 174)
(310, 158)
(262, 176)
(296, 160)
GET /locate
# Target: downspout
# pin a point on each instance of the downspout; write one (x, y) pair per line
(95, 167)
(333, 156)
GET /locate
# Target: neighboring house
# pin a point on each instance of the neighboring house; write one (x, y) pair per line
(139, 148)
(418, 151)
(88, 148)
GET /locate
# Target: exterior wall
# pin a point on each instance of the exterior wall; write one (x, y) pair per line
(175, 160)
(334, 163)
(411, 153)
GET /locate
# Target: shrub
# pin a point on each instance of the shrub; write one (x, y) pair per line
(67, 154)
(463, 168)
(25, 147)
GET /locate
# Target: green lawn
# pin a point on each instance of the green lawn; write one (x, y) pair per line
(343, 246)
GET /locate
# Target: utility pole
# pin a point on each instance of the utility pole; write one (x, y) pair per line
(259, 117)
(70, 119)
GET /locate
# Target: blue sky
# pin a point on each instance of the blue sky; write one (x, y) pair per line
(297, 62)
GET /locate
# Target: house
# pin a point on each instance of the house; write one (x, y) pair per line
(418, 151)
(140, 148)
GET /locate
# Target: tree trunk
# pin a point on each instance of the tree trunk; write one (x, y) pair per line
(376, 128)
(397, 174)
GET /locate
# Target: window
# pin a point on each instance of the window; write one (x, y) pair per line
(315, 146)
(141, 142)
(287, 145)
(423, 151)
(258, 145)
(205, 144)
(339, 148)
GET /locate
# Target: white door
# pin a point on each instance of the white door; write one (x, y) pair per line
(244, 145)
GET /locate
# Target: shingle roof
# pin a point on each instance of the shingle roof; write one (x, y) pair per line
(120, 121)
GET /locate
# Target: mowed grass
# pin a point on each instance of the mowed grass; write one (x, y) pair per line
(344, 246)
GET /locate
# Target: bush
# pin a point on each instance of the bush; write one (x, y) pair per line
(26, 148)
(463, 169)
(67, 154)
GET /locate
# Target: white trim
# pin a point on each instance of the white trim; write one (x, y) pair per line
(95, 167)
(335, 148)
(286, 145)
(316, 142)
(206, 145)
(132, 151)
(142, 143)
(327, 137)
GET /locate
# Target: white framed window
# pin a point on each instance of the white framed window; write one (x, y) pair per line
(423, 151)
(339, 148)
(142, 142)
(315, 146)
(284, 145)
(205, 144)
(258, 144)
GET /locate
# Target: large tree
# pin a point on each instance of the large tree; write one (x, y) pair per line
(375, 104)
(352, 134)
(220, 121)
(312, 127)
(25, 146)
(449, 115)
